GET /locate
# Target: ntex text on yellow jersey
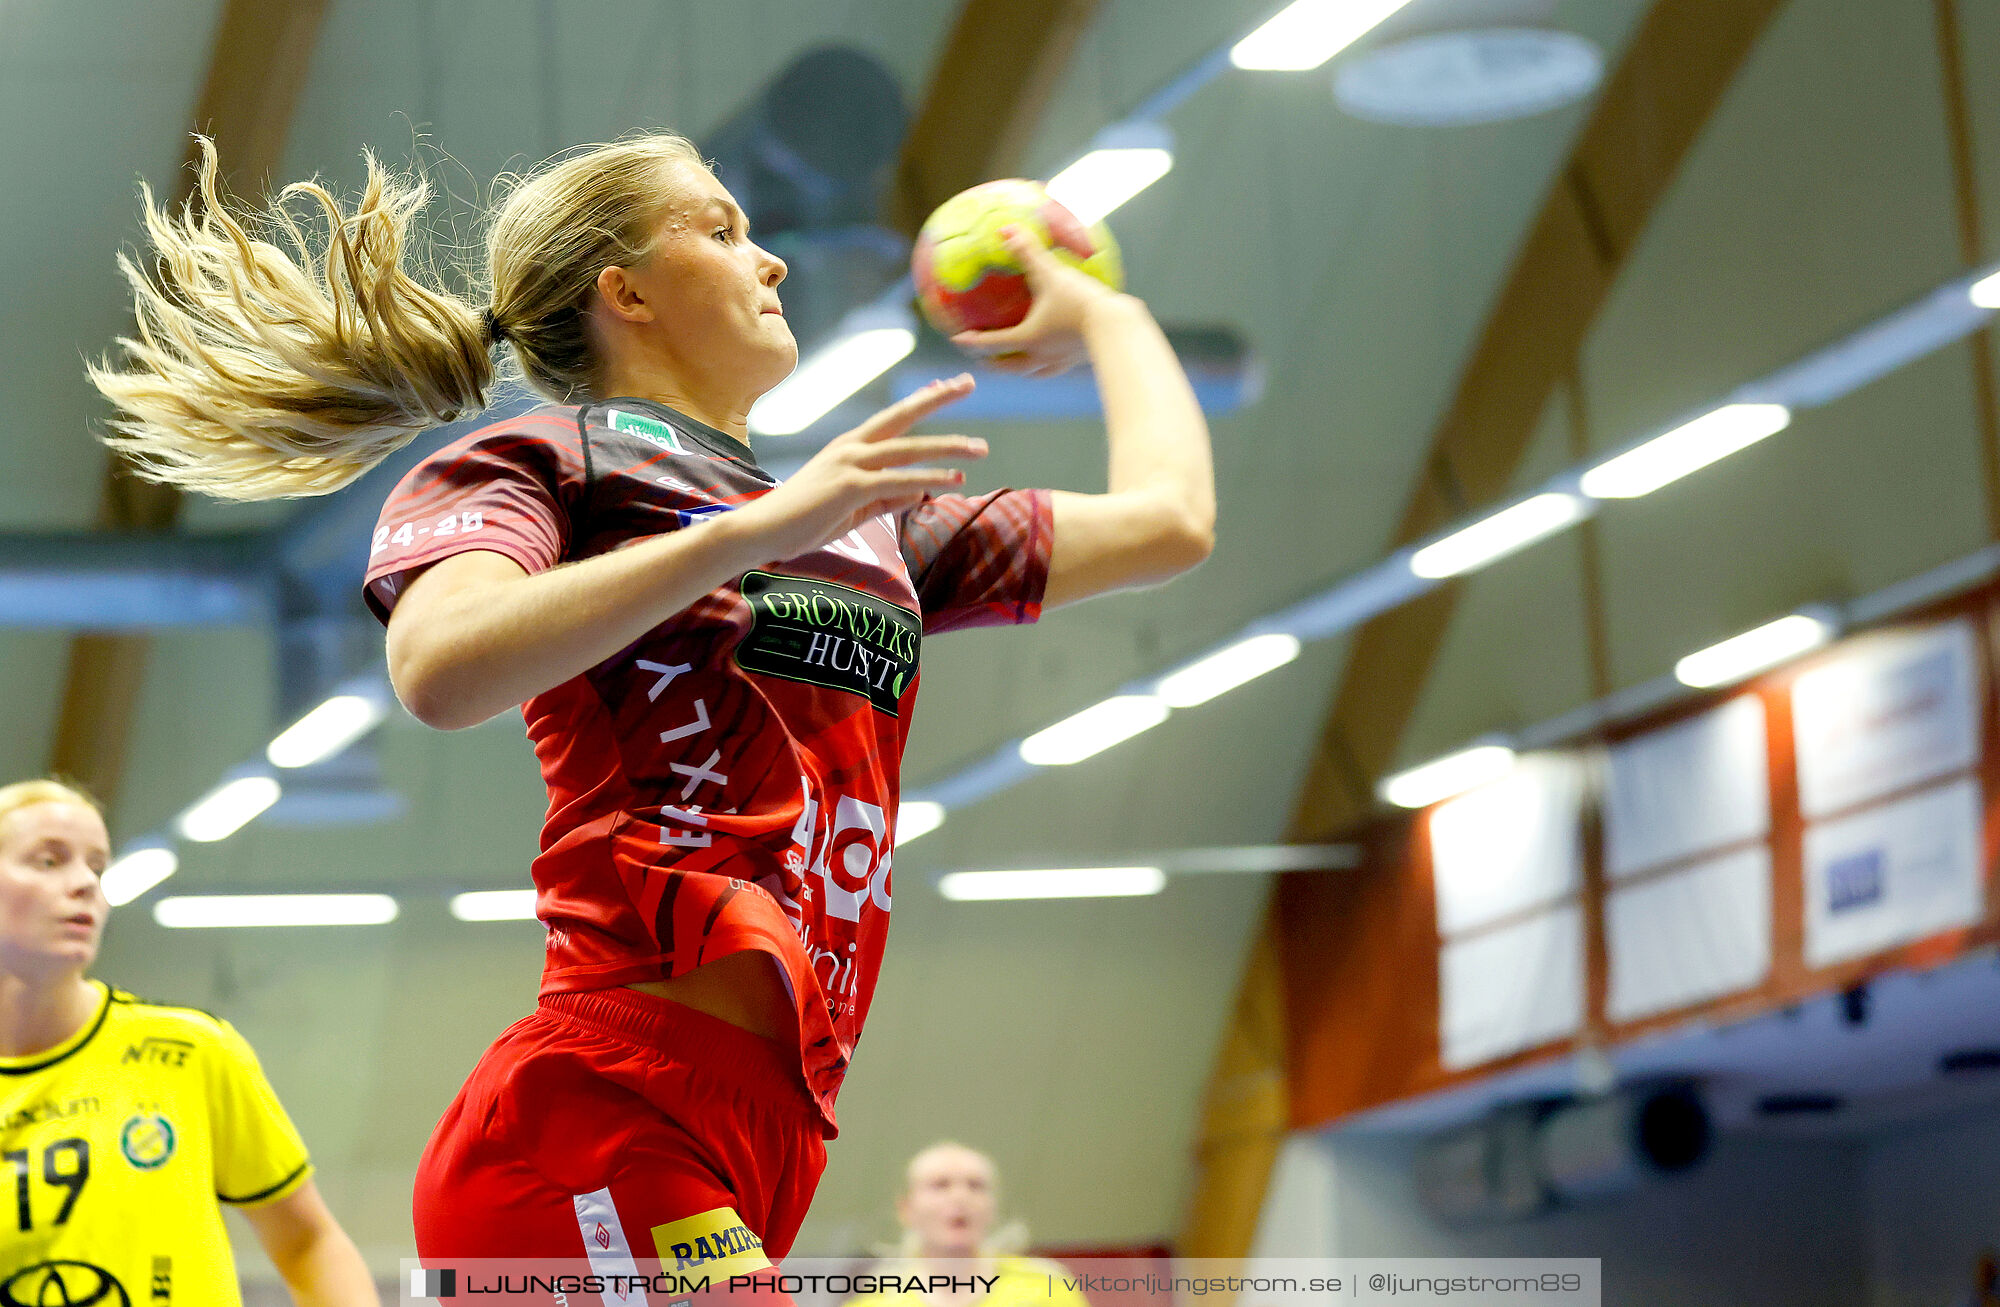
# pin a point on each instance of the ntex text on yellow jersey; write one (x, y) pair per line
(117, 1147)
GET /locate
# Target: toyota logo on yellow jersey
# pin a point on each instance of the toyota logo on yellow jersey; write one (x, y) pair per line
(63, 1284)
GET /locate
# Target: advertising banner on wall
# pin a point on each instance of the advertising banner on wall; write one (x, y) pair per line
(1890, 711)
(1688, 789)
(1507, 866)
(1688, 935)
(1509, 846)
(1511, 987)
(1892, 873)
(1789, 838)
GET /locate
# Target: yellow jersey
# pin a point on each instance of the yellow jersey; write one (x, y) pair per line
(1017, 1282)
(115, 1146)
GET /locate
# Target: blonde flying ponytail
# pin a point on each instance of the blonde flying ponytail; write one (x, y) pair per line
(273, 359)
(261, 371)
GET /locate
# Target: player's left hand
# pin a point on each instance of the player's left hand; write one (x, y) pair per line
(1050, 339)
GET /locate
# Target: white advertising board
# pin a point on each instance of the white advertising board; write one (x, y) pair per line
(1892, 711)
(1511, 987)
(1687, 789)
(1894, 873)
(1689, 935)
(1510, 845)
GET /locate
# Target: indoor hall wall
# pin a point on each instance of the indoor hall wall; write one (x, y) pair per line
(1933, 1203)
(1895, 1219)
(1819, 196)
(367, 1033)
(1778, 1223)
(93, 94)
(32, 665)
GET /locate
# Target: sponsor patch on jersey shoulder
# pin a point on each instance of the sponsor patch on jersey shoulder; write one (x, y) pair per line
(715, 1243)
(652, 429)
(830, 635)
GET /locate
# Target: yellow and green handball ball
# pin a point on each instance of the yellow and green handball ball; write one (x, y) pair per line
(968, 281)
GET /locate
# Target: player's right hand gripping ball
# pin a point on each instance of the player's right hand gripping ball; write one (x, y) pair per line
(967, 281)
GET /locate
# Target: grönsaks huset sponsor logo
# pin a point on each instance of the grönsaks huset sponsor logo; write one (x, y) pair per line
(830, 635)
(648, 429)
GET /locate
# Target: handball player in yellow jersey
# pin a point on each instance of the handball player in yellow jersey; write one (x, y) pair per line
(123, 1123)
(950, 1199)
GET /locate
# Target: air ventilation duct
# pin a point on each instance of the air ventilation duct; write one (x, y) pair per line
(1225, 374)
(1447, 63)
(1599, 1147)
(809, 160)
(814, 148)
(1483, 1172)
(1528, 1157)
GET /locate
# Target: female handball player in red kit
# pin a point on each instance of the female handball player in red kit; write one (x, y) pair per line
(717, 670)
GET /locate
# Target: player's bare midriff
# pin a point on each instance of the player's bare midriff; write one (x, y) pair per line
(743, 989)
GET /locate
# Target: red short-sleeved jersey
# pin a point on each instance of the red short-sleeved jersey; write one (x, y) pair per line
(729, 781)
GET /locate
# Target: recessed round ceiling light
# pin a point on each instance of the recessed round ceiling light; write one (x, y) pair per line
(1480, 75)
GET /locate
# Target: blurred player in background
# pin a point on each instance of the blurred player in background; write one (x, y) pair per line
(717, 670)
(948, 1206)
(125, 1123)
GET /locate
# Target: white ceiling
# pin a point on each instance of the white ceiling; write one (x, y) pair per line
(1071, 1040)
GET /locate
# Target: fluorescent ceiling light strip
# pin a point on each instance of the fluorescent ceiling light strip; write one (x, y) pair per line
(325, 731)
(1053, 883)
(1688, 448)
(1753, 651)
(1497, 536)
(829, 377)
(1095, 186)
(1225, 669)
(494, 905)
(1865, 356)
(1307, 33)
(230, 910)
(1093, 730)
(915, 818)
(1455, 773)
(227, 809)
(137, 872)
(1986, 293)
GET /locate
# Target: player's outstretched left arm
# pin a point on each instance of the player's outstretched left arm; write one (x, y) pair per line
(320, 1263)
(1157, 520)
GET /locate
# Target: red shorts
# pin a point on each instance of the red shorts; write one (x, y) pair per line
(618, 1126)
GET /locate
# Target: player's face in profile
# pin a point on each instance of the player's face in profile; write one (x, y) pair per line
(949, 1204)
(52, 906)
(723, 325)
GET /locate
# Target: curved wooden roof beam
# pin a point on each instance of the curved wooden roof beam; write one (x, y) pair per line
(1681, 61)
(1683, 58)
(986, 99)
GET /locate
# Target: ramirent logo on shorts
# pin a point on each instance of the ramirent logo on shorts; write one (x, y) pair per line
(830, 635)
(714, 1242)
